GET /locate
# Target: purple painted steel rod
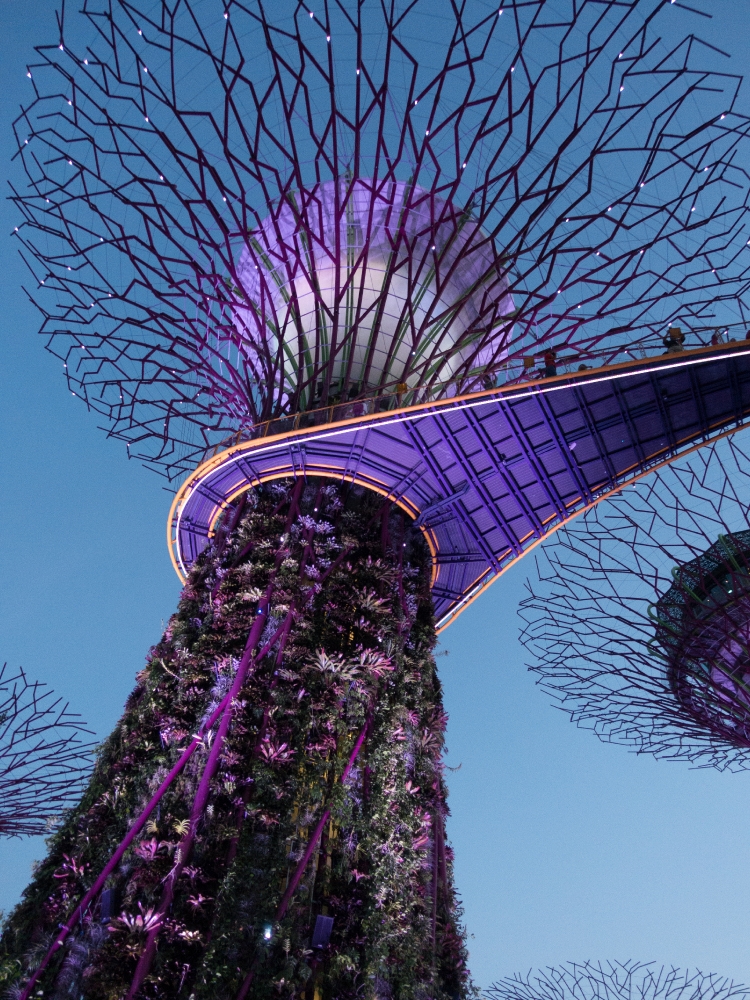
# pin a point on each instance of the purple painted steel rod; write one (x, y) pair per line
(300, 870)
(129, 837)
(305, 859)
(123, 846)
(201, 797)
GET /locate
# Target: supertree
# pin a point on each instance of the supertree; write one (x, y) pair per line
(44, 756)
(639, 622)
(291, 232)
(616, 981)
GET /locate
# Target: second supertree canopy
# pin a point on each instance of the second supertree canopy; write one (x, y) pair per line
(639, 623)
(44, 761)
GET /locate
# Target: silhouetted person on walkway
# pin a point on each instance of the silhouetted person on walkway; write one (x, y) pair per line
(674, 340)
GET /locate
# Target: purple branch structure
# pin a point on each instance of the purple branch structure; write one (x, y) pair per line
(237, 214)
(639, 624)
(44, 760)
(137, 826)
(616, 981)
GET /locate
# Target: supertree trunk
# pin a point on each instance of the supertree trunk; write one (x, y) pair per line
(300, 851)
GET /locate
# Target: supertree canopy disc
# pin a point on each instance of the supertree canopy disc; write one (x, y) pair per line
(640, 621)
(616, 981)
(489, 475)
(45, 756)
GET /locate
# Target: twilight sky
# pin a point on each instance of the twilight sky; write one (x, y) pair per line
(566, 848)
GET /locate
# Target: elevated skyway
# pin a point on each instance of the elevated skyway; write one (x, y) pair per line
(489, 475)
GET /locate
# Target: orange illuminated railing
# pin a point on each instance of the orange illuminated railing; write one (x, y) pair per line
(516, 370)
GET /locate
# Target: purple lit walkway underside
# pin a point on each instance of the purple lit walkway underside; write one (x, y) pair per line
(490, 475)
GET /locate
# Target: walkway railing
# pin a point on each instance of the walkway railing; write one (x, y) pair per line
(516, 370)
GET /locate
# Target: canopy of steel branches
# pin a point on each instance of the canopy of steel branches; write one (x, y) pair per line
(235, 212)
(43, 757)
(616, 981)
(639, 623)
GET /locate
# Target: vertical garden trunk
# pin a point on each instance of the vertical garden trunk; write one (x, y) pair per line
(300, 851)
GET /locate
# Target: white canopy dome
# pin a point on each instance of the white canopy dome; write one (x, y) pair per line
(358, 288)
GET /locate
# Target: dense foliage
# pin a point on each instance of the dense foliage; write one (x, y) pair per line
(341, 682)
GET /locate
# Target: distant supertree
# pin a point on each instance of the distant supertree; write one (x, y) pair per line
(640, 621)
(616, 981)
(44, 760)
(247, 219)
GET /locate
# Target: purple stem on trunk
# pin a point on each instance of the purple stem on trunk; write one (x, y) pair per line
(305, 859)
(201, 798)
(123, 846)
(300, 870)
(435, 822)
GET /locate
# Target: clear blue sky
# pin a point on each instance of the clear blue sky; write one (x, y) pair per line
(566, 848)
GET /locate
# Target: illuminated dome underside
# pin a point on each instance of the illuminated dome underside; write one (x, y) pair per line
(353, 288)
